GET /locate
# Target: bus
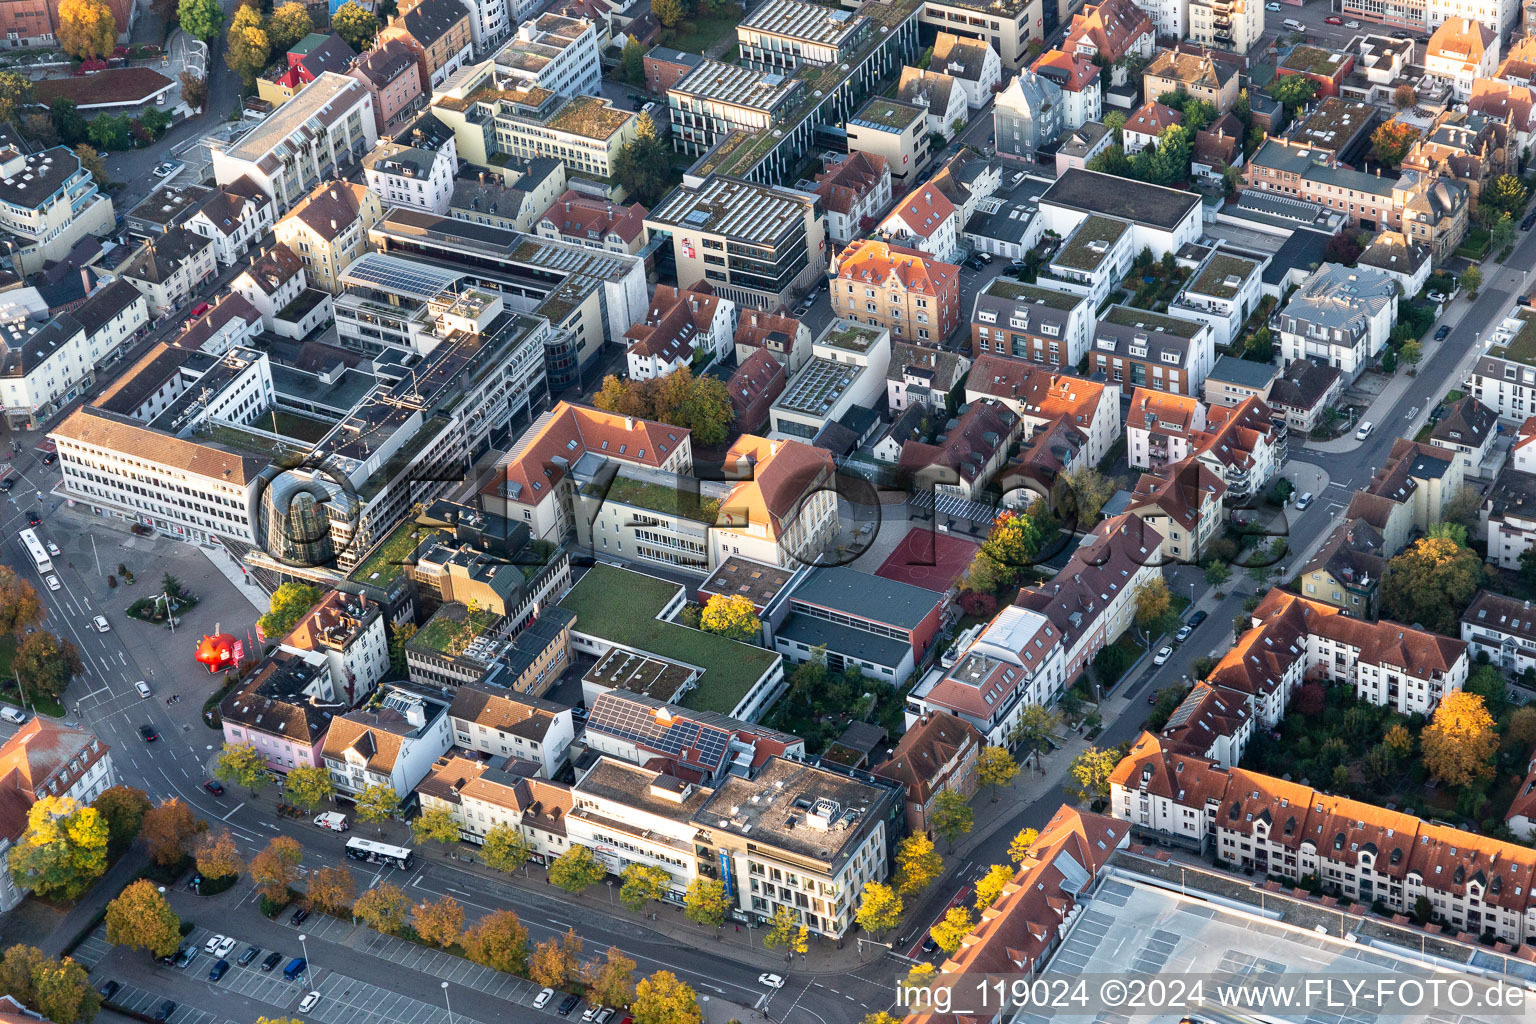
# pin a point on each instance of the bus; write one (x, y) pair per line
(380, 853)
(37, 551)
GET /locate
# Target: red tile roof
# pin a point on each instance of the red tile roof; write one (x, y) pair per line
(569, 432)
(871, 261)
(587, 219)
(850, 181)
(677, 318)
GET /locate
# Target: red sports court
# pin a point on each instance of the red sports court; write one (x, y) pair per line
(928, 559)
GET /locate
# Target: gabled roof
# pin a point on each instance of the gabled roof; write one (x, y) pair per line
(588, 219)
(1178, 492)
(1461, 39)
(1354, 554)
(968, 444)
(960, 56)
(851, 180)
(332, 207)
(875, 262)
(677, 318)
(552, 445)
(1152, 118)
(1072, 72)
(1109, 28)
(922, 211)
(1466, 422)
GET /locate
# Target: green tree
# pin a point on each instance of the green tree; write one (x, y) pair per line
(1217, 573)
(1090, 489)
(385, 908)
(45, 664)
(951, 816)
(1391, 141)
(498, 941)
(880, 908)
(918, 864)
(996, 767)
(663, 999)
(577, 869)
(669, 12)
(15, 95)
(437, 825)
(201, 19)
(140, 918)
(108, 133)
(355, 25)
(952, 929)
(641, 884)
(289, 23)
(86, 28)
(706, 902)
(1411, 352)
(1472, 280)
(733, 616)
(1035, 726)
(644, 165)
(990, 885)
(1431, 583)
(63, 850)
(1505, 193)
(632, 63)
(377, 804)
(64, 992)
(241, 764)
(506, 848)
(611, 981)
(18, 972)
(123, 809)
(1293, 91)
(398, 638)
(786, 932)
(308, 786)
(291, 601)
(1013, 542)
(67, 121)
(1021, 844)
(1089, 773)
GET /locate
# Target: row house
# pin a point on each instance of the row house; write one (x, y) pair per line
(1508, 513)
(394, 743)
(1474, 884)
(503, 723)
(1409, 492)
(482, 797)
(935, 756)
(234, 218)
(963, 458)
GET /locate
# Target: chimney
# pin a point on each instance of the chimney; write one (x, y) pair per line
(629, 423)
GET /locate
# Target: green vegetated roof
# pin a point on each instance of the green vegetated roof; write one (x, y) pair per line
(447, 623)
(659, 498)
(1522, 347)
(1018, 291)
(387, 561)
(620, 606)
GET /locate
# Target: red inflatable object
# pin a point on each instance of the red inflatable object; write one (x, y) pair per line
(220, 651)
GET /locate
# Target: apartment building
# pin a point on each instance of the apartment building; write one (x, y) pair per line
(846, 370)
(1222, 291)
(513, 203)
(923, 375)
(389, 73)
(319, 134)
(1346, 571)
(234, 218)
(1461, 51)
(48, 202)
(1045, 399)
(1425, 15)
(1504, 375)
(489, 22)
(1006, 26)
(1112, 31)
(285, 709)
(273, 280)
(438, 32)
(925, 220)
(1340, 316)
(1410, 491)
(395, 744)
(1162, 429)
(899, 289)
(1029, 322)
(482, 797)
(554, 52)
(971, 62)
(937, 755)
(44, 367)
(1138, 348)
(416, 168)
(854, 193)
(586, 220)
(1145, 125)
(962, 460)
(305, 61)
(785, 338)
(1472, 149)
(942, 96)
(758, 245)
(681, 324)
(328, 229)
(1302, 392)
(1028, 115)
(1183, 503)
(348, 631)
(502, 723)
(1198, 76)
(1504, 629)
(1231, 25)
(1091, 601)
(782, 35)
(894, 131)
(1077, 77)
(44, 759)
(1469, 429)
(1160, 219)
(169, 269)
(1407, 263)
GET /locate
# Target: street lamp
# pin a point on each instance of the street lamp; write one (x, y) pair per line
(447, 1002)
(304, 945)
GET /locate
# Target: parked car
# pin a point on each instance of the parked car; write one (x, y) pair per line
(214, 786)
(1303, 501)
(1198, 617)
(1162, 656)
(251, 953)
(299, 916)
(1365, 430)
(1183, 633)
(167, 1008)
(212, 945)
(1271, 6)
(108, 990)
(1443, 332)
(148, 735)
(592, 1011)
(13, 715)
(272, 960)
(1333, 19)
(570, 1003)
(309, 1002)
(161, 170)
(542, 999)
(225, 947)
(218, 970)
(1529, 222)
(184, 956)
(295, 968)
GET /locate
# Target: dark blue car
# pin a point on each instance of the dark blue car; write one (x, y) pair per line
(218, 970)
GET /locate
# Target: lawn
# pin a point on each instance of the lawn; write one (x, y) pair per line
(300, 428)
(620, 606)
(389, 559)
(707, 31)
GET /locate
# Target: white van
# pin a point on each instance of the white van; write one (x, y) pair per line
(1294, 25)
(11, 714)
(332, 820)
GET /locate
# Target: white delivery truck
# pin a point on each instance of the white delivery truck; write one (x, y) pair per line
(332, 820)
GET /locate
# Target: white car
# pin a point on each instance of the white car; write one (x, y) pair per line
(1364, 431)
(1162, 656)
(53, 549)
(161, 170)
(1436, 296)
(13, 715)
(1271, 7)
(101, 624)
(225, 948)
(592, 1012)
(542, 999)
(771, 980)
(309, 1002)
(143, 688)
(52, 581)
(211, 946)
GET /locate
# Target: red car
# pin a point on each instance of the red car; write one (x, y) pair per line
(1331, 20)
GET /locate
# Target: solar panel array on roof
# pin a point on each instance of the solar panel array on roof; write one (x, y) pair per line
(671, 735)
(400, 276)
